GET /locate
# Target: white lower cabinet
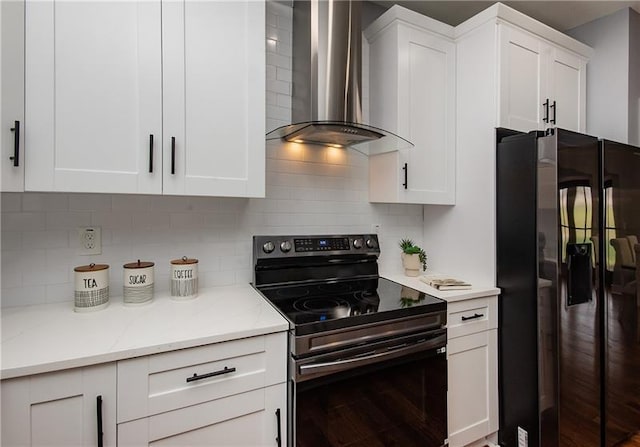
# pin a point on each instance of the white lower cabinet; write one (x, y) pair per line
(245, 419)
(472, 349)
(62, 408)
(224, 394)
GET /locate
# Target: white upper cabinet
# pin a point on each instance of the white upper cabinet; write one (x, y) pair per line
(412, 84)
(523, 64)
(93, 96)
(12, 95)
(214, 98)
(540, 84)
(145, 97)
(568, 88)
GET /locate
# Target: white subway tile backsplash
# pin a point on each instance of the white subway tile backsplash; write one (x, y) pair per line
(129, 203)
(45, 202)
(22, 221)
(45, 239)
(23, 296)
(284, 88)
(90, 202)
(67, 220)
(11, 202)
(309, 190)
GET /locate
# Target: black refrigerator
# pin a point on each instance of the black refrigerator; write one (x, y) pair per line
(568, 223)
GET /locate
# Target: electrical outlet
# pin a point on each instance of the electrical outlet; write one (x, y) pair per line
(376, 228)
(90, 241)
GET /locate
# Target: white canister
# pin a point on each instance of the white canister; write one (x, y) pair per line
(91, 287)
(184, 278)
(138, 283)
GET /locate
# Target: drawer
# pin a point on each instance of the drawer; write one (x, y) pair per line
(245, 419)
(471, 316)
(164, 382)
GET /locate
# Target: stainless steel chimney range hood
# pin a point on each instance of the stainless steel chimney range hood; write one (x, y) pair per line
(327, 67)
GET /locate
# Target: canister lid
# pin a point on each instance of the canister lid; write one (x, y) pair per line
(138, 265)
(91, 268)
(184, 260)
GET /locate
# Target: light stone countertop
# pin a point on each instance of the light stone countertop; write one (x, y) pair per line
(449, 296)
(44, 338)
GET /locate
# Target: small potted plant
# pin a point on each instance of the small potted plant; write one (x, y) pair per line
(413, 258)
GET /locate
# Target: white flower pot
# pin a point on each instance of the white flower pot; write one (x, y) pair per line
(411, 264)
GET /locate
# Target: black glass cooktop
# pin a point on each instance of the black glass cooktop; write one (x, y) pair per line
(331, 305)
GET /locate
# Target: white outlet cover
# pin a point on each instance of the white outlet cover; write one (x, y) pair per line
(89, 241)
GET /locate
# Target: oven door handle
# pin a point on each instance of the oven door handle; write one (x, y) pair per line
(375, 357)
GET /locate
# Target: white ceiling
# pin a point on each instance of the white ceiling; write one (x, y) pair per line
(559, 14)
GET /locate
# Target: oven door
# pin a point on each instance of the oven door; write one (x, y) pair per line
(392, 394)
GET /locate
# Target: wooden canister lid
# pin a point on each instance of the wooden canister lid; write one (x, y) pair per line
(91, 268)
(138, 265)
(184, 260)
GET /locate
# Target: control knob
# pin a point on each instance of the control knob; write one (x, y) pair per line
(372, 243)
(268, 247)
(285, 246)
(358, 243)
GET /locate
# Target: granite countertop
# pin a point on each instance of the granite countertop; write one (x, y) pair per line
(44, 338)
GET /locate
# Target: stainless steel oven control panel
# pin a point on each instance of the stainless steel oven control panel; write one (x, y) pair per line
(271, 247)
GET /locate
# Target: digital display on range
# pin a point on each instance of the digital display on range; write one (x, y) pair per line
(321, 244)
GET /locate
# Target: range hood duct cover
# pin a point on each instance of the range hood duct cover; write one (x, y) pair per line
(327, 74)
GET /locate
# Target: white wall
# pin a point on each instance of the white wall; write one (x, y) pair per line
(609, 85)
(310, 190)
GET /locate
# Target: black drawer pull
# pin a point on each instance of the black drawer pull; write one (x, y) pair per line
(173, 155)
(279, 437)
(99, 420)
(406, 180)
(555, 110)
(151, 153)
(16, 143)
(472, 317)
(546, 111)
(212, 374)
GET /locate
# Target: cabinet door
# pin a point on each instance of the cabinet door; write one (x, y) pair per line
(12, 95)
(473, 387)
(522, 92)
(425, 84)
(93, 96)
(60, 408)
(246, 419)
(567, 88)
(214, 97)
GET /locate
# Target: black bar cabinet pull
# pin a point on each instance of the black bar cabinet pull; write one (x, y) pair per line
(16, 143)
(99, 415)
(555, 110)
(279, 437)
(151, 153)
(211, 374)
(406, 183)
(173, 155)
(546, 111)
(472, 317)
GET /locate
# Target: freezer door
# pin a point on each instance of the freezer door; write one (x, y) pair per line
(568, 309)
(621, 180)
